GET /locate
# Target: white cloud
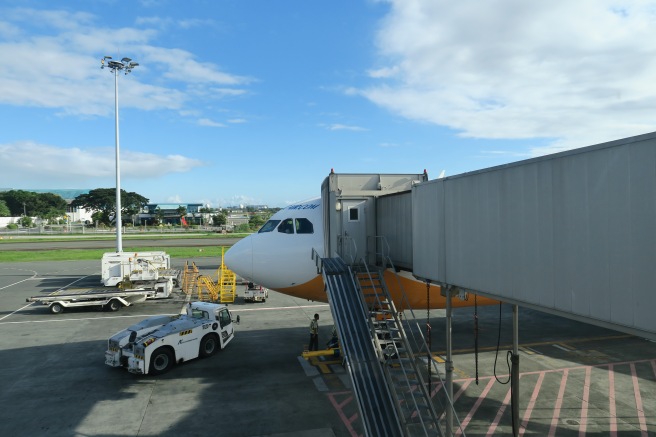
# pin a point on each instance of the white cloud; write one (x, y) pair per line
(575, 72)
(174, 199)
(79, 167)
(55, 63)
(337, 126)
(237, 120)
(209, 123)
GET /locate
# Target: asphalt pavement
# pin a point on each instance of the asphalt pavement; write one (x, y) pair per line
(575, 379)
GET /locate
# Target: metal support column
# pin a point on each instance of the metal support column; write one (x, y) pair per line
(449, 364)
(514, 384)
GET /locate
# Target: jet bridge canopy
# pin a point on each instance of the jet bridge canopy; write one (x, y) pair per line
(572, 233)
(352, 217)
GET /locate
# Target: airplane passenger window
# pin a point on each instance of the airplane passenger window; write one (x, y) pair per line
(269, 226)
(287, 226)
(304, 226)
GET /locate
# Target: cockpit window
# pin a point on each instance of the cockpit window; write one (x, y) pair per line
(269, 226)
(287, 226)
(304, 226)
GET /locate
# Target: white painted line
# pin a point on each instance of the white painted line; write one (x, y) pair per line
(30, 304)
(279, 308)
(85, 318)
(22, 280)
(139, 315)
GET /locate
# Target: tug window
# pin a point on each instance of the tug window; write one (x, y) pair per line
(269, 226)
(199, 314)
(353, 214)
(287, 226)
(304, 226)
(224, 318)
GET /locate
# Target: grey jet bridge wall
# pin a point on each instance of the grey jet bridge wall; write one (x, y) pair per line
(572, 233)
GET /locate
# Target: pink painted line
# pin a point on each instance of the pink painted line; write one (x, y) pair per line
(531, 404)
(559, 404)
(611, 401)
(462, 389)
(537, 372)
(638, 399)
(502, 409)
(346, 421)
(480, 399)
(437, 388)
(585, 403)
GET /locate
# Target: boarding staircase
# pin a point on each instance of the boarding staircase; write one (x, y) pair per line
(227, 281)
(189, 277)
(388, 377)
(224, 290)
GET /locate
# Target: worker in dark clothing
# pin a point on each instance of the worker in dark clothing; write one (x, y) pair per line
(314, 333)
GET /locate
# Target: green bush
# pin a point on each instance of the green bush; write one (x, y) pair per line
(12, 226)
(26, 221)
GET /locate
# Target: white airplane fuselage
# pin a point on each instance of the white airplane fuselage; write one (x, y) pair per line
(279, 257)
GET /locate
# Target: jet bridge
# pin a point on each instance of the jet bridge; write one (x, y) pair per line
(354, 215)
(572, 233)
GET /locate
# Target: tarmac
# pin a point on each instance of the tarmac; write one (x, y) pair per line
(575, 380)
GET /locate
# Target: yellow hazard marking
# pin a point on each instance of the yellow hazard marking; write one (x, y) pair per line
(188, 331)
(438, 359)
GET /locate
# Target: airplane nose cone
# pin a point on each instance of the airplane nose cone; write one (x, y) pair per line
(239, 258)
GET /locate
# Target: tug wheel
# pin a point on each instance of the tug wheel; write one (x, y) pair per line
(209, 345)
(161, 361)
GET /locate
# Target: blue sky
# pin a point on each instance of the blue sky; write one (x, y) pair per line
(254, 101)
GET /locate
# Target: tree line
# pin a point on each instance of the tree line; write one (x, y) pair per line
(102, 201)
(49, 206)
(16, 203)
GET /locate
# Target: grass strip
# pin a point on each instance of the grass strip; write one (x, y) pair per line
(16, 239)
(96, 254)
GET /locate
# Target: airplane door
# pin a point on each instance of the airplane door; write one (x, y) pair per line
(353, 245)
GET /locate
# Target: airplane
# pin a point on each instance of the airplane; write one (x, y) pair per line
(278, 257)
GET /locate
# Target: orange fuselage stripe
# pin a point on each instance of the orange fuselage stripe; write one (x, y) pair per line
(415, 291)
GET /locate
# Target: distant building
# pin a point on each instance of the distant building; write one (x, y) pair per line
(168, 213)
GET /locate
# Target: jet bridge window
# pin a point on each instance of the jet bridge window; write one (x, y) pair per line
(269, 226)
(287, 226)
(354, 214)
(304, 226)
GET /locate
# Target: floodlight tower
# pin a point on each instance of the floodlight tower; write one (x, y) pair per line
(125, 65)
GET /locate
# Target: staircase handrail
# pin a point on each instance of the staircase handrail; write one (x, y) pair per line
(395, 352)
(349, 249)
(421, 344)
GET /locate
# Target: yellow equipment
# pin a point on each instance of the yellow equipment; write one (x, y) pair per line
(223, 290)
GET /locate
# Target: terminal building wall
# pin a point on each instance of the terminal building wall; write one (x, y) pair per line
(572, 233)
